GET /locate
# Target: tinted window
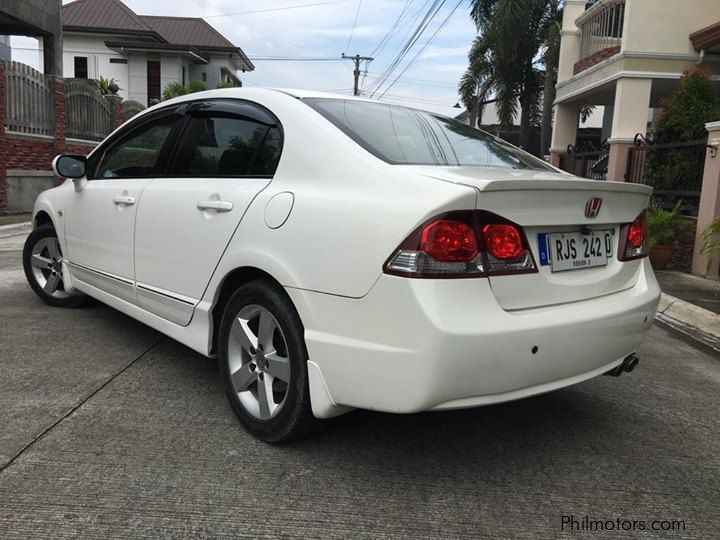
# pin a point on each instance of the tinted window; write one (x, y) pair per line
(405, 136)
(215, 145)
(138, 155)
(267, 158)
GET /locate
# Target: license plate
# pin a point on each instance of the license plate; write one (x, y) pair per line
(574, 250)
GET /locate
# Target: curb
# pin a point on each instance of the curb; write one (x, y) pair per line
(14, 229)
(689, 316)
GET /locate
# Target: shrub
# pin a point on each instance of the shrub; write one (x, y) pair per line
(107, 86)
(663, 225)
(176, 88)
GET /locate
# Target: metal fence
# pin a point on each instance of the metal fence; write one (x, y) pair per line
(29, 104)
(89, 115)
(674, 169)
(130, 108)
(586, 160)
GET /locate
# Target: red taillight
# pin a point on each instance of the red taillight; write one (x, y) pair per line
(636, 233)
(463, 244)
(633, 243)
(503, 241)
(449, 241)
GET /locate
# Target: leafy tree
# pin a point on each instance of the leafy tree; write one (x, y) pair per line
(683, 118)
(685, 113)
(517, 40)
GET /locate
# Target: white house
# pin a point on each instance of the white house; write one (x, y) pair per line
(145, 53)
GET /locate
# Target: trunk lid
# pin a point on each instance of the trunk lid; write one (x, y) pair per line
(548, 203)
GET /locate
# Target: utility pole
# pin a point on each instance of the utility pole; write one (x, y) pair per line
(357, 59)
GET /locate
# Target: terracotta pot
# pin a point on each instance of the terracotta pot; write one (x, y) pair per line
(660, 256)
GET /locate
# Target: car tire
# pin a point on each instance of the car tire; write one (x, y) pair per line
(42, 262)
(263, 363)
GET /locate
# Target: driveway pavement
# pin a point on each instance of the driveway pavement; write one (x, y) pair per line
(110, 430)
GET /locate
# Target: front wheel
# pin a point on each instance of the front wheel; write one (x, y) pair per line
(263, 363)
(42, 262)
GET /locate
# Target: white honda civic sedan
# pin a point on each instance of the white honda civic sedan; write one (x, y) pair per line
(338, 253)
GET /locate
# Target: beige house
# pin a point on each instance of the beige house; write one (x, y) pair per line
(628, 55)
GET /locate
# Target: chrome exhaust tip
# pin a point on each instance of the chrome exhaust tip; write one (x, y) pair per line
(627, 366)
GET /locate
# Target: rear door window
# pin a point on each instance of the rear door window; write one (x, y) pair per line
(218, 143)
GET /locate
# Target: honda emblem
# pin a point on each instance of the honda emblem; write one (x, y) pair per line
(592, 208)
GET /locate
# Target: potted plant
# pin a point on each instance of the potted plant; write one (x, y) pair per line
(662, 230)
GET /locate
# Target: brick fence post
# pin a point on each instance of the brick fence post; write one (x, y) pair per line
(3, 143)
(116, 102)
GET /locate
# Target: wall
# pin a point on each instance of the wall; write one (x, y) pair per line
(170, 69)
(39, 18)
(137, 77)
(665, 26)
(93, 47)
(212, 69)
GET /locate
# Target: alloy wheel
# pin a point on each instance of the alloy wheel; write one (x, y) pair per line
(46, 261)
(259, 362)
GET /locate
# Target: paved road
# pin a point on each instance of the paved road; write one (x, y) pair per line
(109, 430)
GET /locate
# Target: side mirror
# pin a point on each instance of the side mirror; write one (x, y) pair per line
(68, 166)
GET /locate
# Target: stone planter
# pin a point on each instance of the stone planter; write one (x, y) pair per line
(660, 256)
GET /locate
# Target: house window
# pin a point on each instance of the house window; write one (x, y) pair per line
(204, 77)
(153, 80)
(81, 67)
(118, 60)
(183, 75)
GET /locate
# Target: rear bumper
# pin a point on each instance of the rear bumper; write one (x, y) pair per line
(412, 345)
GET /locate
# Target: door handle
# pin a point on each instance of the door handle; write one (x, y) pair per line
(218, 206)
(124, 199)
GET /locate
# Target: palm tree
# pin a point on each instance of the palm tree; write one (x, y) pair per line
(507, 61)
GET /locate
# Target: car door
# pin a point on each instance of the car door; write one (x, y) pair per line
(100, 217)
(227, 154)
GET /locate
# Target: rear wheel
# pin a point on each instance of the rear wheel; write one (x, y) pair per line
(42, 262)
(263, 363)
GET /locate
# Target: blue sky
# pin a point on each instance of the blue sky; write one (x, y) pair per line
(324, 31)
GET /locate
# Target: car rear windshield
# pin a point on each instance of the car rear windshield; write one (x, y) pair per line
(403, 136)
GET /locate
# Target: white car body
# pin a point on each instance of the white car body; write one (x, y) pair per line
(323, 227)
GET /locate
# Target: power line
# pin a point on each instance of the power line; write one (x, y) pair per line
(406, 40)
(295, 58)
(274, 9)
(354, 24)
(419, 30)
(387, 37)
(437, 31)
(420, 82)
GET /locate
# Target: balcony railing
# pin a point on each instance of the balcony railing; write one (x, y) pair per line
(601, 27)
